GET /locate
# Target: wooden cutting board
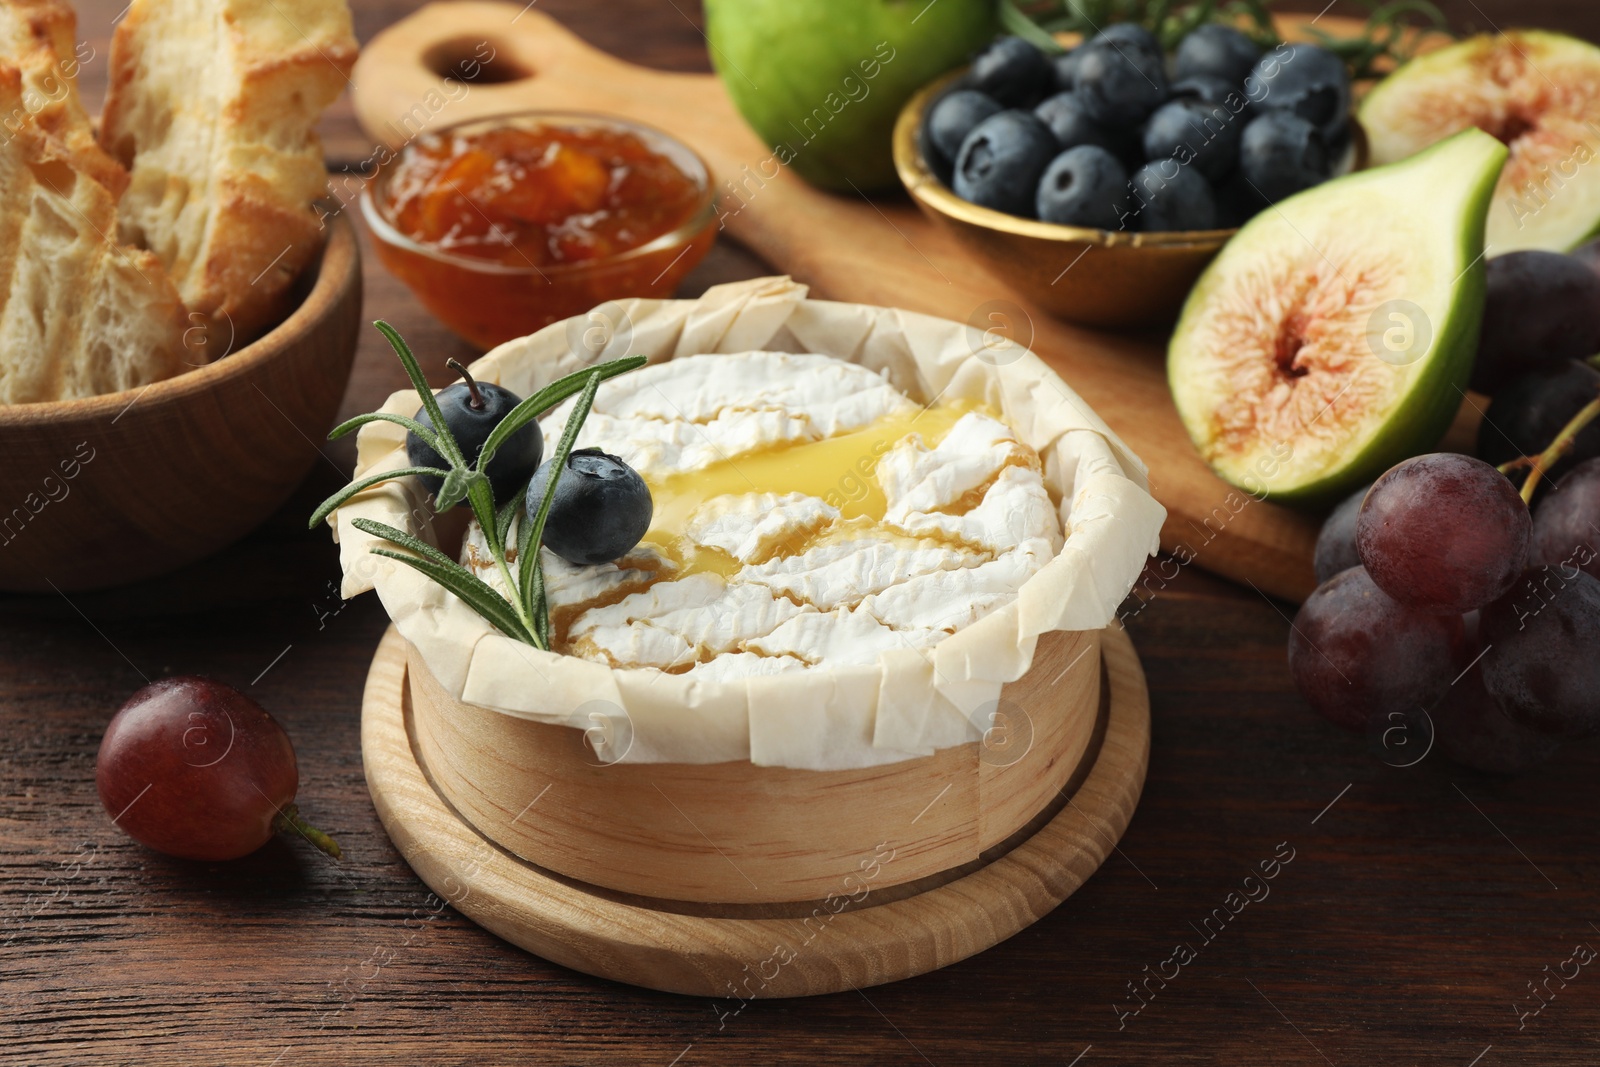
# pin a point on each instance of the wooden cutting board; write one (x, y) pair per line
(844, 247)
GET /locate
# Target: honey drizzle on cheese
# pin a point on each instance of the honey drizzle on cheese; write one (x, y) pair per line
(840, 471)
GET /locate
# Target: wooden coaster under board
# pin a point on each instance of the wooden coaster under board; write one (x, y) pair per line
(742, 952)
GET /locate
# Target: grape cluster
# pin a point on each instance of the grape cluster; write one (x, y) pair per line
(1447, 595)
(1457, 607)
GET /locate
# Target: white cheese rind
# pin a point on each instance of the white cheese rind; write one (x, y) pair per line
(845, 573)
(750, 526)
(692, 412)
(919, 479)
(1016, 508)
(840, 638)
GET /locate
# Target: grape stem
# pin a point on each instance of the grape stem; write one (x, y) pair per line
(289, 819)
(1558, 448)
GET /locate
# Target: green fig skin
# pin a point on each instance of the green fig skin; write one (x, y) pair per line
(1465, 165)
(822, 81)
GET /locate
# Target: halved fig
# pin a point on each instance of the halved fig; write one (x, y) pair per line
(1537, 92)
(1333, 336)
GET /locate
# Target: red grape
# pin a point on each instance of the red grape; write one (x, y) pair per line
(1471, 729)
(1357, 654)
(1566, 526)
(1588, 254)
(1543, 661)
(1542, 308)
(1336, 543)
(1526, 416)
(1443, 533)
(196, 769)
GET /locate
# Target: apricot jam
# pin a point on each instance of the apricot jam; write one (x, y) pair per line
(503, 226)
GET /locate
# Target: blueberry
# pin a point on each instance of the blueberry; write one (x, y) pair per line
(1281, 154)
(600, 511)
(1218, 51)
(1012, 71)
(1120, 82)
(1338, 139)
(1000, 162)
(1205, 136)
(1305, 80)
(1128, 37)
(1066, 68)
(1084, 186)
(954, 116)
(1237, 201)
(1065, 115)
(1208, 90)
(1173, 197)
(471, 411)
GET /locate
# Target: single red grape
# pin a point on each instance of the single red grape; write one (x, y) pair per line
(1566, 525)
(1358, 654)
(1443, 533)
(1470, 728)
(1543, 661)
(196, 769)
(1336, 543)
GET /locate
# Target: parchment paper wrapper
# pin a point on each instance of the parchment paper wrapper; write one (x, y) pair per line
(914, 701)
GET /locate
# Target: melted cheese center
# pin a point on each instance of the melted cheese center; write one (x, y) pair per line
(840, 471)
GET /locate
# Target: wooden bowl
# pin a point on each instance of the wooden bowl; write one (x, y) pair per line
(736, 833)
(112, 489)
(1093, 277)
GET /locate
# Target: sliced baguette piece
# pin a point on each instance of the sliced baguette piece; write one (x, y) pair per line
(80, 314)
(211, 107)
(39, 38)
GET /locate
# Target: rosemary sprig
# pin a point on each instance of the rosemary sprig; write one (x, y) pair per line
(522, 613)
(476, 593)
(529, 564)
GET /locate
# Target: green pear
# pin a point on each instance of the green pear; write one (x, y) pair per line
(822, 80)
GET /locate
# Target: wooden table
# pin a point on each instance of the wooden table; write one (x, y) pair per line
(1420, 907)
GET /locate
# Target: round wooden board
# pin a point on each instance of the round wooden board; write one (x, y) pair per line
(857, 937)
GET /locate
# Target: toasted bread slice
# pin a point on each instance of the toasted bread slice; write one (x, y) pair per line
(39, 37)
(80, 314)
(211, 108)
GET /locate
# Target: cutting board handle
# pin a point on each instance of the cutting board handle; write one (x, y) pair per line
(463, 59)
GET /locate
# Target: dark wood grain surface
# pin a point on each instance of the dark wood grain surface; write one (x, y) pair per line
(1420, 909)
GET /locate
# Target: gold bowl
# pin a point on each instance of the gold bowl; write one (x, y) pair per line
(1087, 276)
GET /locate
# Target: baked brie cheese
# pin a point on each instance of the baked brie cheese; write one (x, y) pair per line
(806, 514)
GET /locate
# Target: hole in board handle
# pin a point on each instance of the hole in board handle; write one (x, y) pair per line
(474, 61)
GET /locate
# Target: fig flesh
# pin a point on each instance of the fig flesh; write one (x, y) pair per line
(1333, 336)
(1539, 93)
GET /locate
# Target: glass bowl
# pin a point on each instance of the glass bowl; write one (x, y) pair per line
(489, 303)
